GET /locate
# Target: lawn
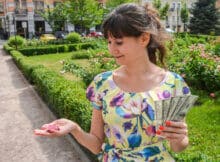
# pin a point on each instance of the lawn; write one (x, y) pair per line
(204, 133)
(203, 120)
(55, 62)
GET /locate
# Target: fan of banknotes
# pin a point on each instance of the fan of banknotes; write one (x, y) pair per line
(174, 108)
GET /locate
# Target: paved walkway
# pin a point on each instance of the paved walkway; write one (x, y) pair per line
(21, 111)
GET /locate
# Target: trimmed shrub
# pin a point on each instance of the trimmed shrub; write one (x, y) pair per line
(66, 98)
(7, 48)
(44, 50)
(73, 37)
(16, 40)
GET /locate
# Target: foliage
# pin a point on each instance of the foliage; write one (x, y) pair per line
(201, 67)
(163, 10)
(201, 71)
(88, 54)
(16, 41)
(73, 37)
(66, 98)
(86, 13)
(55, 17)
(217, 50)
(204, 17)
(111, 4)
(97, 65)
(157, 4)
(7, 48)
(184, 14)
(203, 124)
(201, 64)
(30, 51)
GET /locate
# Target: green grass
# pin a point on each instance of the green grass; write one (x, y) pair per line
(204, 133)
(53, 62)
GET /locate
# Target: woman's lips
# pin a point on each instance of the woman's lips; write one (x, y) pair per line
(119, 56)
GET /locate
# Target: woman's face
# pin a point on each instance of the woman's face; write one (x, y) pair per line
(127, 49)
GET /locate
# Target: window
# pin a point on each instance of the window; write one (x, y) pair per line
(179, 5)
(38, 5)
(173, 6)
(21, 4)
(1, 7)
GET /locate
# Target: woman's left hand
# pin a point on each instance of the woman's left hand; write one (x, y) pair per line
(173, 131)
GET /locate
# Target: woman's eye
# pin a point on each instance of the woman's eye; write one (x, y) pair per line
(109, 42)
(119, 43)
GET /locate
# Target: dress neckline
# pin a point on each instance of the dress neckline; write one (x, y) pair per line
(121, 90)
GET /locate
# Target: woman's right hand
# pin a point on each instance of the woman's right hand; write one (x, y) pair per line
(56, 128)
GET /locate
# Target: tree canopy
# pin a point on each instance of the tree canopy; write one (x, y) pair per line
(86, 13)
(204, 17)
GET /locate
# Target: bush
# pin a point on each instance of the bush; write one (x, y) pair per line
(73, 37)
(7, 48)
(44, 50)
(200, 68)
(66, 98)
(16, 40)
(217, 50)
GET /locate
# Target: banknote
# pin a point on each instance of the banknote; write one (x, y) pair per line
(174, 108)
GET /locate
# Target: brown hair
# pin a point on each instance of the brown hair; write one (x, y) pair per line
(132, 20)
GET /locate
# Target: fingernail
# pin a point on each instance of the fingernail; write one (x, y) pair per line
(168, 123)
(161, 127)
(158, 132)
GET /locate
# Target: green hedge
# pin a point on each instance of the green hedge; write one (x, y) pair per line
(66, 98)
(7, 48)
(56, 48)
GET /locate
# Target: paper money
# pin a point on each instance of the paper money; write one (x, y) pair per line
(174, 108)
(158, 113)
(185, 108)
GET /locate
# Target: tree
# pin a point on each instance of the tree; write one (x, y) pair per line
(204, 17)
(55, 17)
(163, 10)
(86, 13)
(157, 4)
(111, 4)
(184, 14)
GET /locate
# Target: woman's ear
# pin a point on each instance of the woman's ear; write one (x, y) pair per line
(145, 39)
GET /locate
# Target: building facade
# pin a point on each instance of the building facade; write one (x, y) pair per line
(173, 20)
(22, 17)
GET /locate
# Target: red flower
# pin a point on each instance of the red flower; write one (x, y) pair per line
(212, 95)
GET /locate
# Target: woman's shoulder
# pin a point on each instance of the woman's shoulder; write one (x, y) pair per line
(175, 77)
(179, 83)
(102, 76)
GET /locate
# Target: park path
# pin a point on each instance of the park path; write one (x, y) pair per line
(21, 111)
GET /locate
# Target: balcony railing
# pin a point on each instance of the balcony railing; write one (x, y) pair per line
(21, 11)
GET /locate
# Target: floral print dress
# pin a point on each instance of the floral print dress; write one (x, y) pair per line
(129, 118)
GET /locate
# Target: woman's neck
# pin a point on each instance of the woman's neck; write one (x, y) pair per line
(140, 67)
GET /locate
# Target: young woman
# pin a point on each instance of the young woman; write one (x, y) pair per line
(123, 119)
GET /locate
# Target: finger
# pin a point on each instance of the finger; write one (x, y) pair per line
(41, 132)
(44, 127)
(175, 130)
(169, 123)
(172, 135)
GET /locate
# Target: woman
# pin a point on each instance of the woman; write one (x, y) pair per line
(123, 99)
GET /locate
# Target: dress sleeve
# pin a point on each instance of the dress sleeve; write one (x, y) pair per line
(93, 94)
(181, 86)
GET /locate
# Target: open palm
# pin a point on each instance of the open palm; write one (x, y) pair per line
(56, 128)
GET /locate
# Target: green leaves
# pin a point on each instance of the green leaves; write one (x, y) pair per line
(86, 13)
(204, 17)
